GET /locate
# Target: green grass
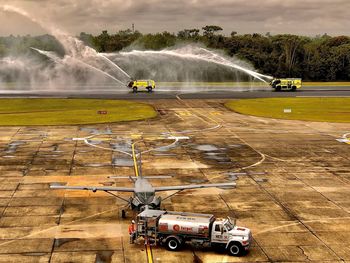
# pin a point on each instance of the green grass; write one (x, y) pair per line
(20, 112)
(307, 109)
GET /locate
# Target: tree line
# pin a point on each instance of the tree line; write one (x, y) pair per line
(320, 58)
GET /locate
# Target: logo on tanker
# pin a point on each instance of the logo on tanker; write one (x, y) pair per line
(176, 227)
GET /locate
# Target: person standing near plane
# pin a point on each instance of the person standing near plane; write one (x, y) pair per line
(132, 231)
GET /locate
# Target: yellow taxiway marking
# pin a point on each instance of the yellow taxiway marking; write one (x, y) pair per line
(216, 113)
(184, 113)
(149, 253)
(134, 159)
(135, 136)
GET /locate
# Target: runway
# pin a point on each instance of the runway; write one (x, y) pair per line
(110, 92)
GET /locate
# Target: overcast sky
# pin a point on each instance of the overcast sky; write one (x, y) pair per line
(307, 17)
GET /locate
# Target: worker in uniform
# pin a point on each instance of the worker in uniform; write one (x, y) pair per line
(132, 231)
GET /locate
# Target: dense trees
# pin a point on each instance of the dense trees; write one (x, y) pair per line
(323, 58)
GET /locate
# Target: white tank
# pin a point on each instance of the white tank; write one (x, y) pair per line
(185, 223)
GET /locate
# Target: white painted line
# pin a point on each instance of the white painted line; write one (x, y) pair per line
(346, 135)
(343, 140)
(178, 138)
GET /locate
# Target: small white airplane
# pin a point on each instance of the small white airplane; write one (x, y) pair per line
(144, 194)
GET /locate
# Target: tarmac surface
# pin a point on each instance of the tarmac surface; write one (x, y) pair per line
(293, 183)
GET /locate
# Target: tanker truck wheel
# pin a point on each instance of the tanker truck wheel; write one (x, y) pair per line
(235, 249)
(173, 244)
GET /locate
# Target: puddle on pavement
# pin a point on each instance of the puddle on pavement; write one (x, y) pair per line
(94, 142)
(121, 146)
(218, 158)
(126, 162)
(232, 177)
(166, 147)
(235, 145)
(206, 148)
(212, 152)
(95, 165)
(12, 146)
(261, 180)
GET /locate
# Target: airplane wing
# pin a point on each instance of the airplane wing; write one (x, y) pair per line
(193, 186)
(94, 188)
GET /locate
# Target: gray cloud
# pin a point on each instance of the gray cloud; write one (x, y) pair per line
(308, 17)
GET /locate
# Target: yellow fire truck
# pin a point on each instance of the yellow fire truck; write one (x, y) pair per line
(291, 84)
(136, 85)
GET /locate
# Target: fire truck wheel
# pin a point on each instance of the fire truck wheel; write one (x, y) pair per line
(173, 244)
(149, 89)
(134, 89)
(235, 249)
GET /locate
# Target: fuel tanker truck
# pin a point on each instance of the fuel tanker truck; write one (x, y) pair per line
(174, 229)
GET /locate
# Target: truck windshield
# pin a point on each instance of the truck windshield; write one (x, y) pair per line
(229, 226)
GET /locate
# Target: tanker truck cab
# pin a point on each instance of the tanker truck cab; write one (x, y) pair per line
(226, 234)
